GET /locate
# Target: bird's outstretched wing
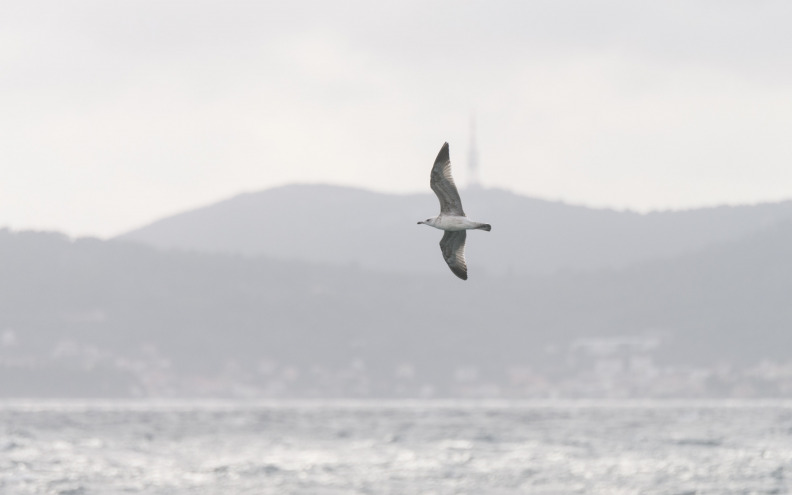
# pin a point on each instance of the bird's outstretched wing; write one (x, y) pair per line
(443, 185)
(453, 247)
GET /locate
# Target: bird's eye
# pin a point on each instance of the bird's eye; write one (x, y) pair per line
(428, 219)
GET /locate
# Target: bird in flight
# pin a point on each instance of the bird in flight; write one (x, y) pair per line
(452, 218)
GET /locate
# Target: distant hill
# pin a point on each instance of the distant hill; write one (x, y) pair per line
(90, 317)
(344, 226)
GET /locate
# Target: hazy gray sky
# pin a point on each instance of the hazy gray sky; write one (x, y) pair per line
(114, 114)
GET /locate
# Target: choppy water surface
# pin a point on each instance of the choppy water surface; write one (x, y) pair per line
(398, 448)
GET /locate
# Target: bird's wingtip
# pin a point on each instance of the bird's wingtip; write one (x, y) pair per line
(459, 272)
(443, 156)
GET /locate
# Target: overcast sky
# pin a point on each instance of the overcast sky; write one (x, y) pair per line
(114, 114)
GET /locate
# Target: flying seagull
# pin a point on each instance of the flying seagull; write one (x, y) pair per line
(452, 218)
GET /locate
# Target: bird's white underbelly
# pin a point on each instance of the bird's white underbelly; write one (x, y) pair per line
(454, 223)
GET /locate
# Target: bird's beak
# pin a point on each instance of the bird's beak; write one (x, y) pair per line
(419, 223)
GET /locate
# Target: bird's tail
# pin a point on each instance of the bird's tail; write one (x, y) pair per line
(484, 226)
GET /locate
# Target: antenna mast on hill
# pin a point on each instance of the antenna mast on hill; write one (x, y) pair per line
(473, 164)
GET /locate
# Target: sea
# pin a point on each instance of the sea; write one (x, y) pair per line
(398, 447)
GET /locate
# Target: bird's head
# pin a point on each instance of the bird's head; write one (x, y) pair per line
(428, 221)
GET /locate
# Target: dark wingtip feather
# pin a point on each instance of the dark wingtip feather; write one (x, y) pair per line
(459, 273)
(443, 156)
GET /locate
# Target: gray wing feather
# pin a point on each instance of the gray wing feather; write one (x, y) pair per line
(443, 185)
(453, 247)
